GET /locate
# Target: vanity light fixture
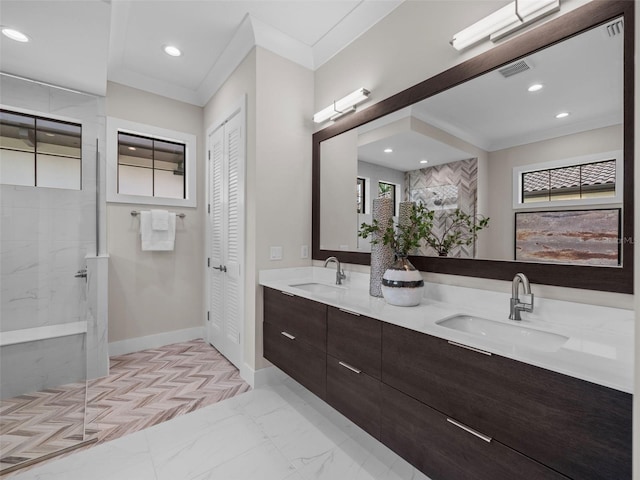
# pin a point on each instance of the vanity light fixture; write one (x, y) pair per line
(172, 51)
(388, 150)
(343, 106)
(562, 115)
(14, 34)
(535, 87)
(505, 21)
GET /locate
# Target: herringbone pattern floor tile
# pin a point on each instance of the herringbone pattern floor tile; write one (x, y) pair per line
(142, 389)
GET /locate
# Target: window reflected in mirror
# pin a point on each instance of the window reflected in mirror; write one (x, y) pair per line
(591, 180)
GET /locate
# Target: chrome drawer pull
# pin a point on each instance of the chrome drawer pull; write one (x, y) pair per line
(349, 312)
(288, 335)
(470, 430)
(469, 348)
(287, 293)
(353, 369)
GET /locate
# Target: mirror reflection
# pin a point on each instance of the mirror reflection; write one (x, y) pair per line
(536, 146)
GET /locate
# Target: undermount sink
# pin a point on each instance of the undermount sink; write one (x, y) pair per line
(517, 335)
(319, 288)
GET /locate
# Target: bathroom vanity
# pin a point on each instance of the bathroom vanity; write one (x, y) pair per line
(459, 404)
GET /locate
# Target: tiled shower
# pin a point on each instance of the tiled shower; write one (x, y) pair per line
(52, 273)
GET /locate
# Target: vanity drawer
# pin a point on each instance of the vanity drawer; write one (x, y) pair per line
(355, 339)
(301, 361)
(575, 427)
(354, 394)
(444, 451)
(300, 317)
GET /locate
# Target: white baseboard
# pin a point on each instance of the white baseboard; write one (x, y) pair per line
(154, 341)
(265, 376)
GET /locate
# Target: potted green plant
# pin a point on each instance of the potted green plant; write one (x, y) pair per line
(402, 284)
(402, 238)
(458, 228)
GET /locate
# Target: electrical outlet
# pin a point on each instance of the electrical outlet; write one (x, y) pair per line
(304, 251)
(276, 253)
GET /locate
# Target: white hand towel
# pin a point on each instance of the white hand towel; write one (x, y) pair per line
(159, 220)
(157, 240)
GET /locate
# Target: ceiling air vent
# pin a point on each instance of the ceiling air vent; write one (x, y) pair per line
(615, 28)
(515, 68)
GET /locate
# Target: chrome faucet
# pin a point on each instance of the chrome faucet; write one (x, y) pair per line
(339, 273)
(516, 305)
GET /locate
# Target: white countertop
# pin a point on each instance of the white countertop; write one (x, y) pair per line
(600, 348)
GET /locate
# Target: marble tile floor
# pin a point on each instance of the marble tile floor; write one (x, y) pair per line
(275, 432)
(142, 389)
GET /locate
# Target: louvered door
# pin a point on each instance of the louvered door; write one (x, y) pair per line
(226, 248)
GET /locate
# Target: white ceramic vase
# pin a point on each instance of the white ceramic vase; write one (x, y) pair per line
(402, 284)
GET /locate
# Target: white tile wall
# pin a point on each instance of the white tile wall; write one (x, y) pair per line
(45, 234)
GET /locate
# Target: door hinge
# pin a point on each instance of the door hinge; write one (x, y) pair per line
(209, 154)
(209, 208)
(208, 262)
(207, 315)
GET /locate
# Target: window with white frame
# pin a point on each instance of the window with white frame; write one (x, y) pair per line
(150, 165)
(40, 152)
(588, 180)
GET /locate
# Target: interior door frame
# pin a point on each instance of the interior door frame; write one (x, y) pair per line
(239, 107)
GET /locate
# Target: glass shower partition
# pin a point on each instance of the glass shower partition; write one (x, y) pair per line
(47, 230)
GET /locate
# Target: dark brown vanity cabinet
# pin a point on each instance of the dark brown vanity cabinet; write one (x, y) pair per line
(295, 338)
(444, 450)
(577, 428)
(353, 367)
(455, 413)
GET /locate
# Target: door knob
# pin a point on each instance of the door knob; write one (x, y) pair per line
(81, 273)
(222, 268)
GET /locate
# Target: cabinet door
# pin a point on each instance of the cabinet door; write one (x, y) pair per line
(355, 394)
(575, 427)
(444, 451)
(298, 359)
(355, 339)
(304, 319)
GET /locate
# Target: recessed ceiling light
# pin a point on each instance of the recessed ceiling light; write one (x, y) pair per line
(15, 35)
(171, 50)
(562, 115)
(133, 149)
(388, 150)
(424, 161)
(535, 87)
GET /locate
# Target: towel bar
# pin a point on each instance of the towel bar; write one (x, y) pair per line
(135, 213)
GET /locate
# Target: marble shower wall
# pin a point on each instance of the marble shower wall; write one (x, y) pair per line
(45, 234)
(446, 187)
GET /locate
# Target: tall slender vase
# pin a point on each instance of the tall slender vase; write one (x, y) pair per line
(404, 212)
(381, 255)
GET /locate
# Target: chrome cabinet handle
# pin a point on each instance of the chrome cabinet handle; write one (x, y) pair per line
(81, 273)
(349, 312)
(470, 430)
(349, 367)
(288, 335)
(222, 268)
(469, 348)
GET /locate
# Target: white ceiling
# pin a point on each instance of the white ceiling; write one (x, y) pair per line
(582, 75)
(82, 44)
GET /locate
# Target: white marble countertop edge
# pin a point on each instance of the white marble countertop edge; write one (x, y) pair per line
(600, 349)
